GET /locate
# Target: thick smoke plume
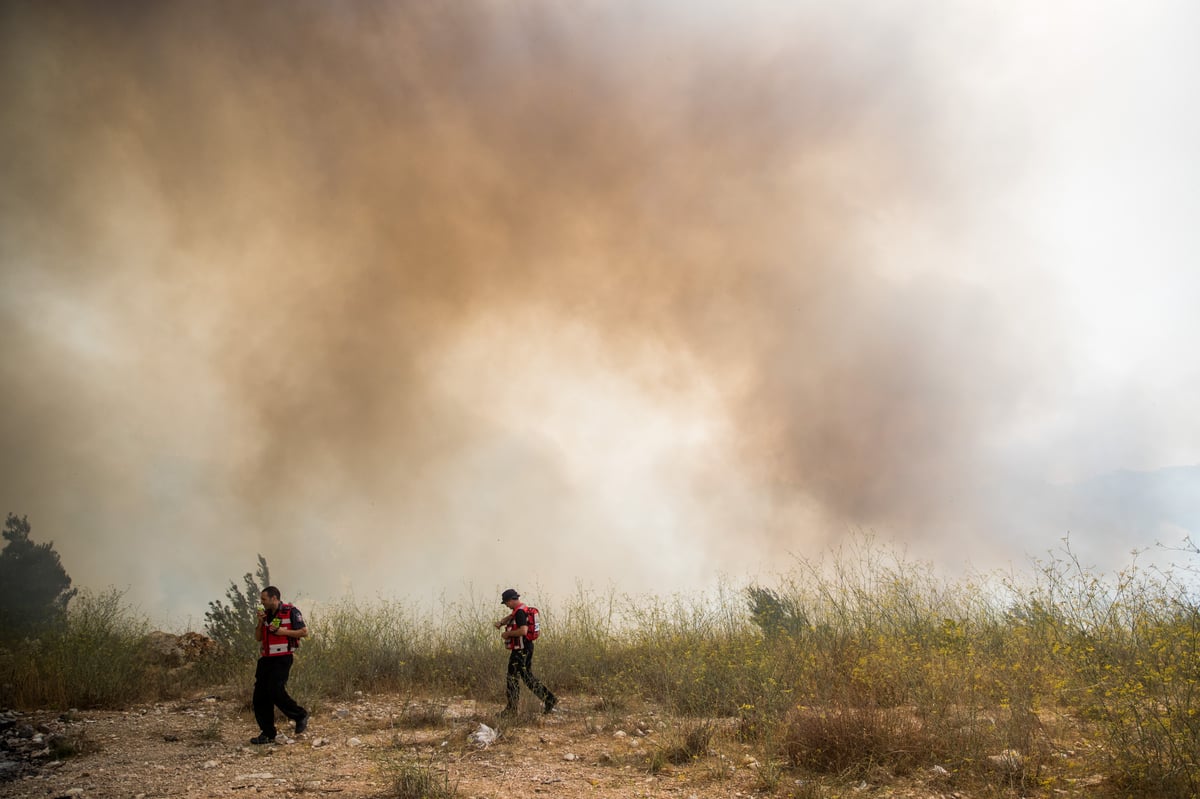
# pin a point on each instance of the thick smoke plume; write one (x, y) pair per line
(280, 279)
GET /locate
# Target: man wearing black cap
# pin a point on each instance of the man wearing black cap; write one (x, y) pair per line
(520, 655)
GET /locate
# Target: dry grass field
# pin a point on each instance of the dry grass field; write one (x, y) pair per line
(860, 677)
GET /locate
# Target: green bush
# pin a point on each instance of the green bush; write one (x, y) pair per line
(91, 658)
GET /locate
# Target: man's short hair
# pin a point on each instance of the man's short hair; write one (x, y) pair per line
(272, 591)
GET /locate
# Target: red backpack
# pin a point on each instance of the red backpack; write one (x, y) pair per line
(533, 625)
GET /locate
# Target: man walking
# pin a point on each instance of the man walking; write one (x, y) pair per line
(280, 628)
(520, 655)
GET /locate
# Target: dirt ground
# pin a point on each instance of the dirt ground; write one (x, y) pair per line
(200, 748)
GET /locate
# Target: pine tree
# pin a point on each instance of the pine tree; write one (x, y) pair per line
(774, 614)
(34, 586)
(232, 624)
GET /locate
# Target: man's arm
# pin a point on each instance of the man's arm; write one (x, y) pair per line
(299, 629)
(521, 619)
(516, 632)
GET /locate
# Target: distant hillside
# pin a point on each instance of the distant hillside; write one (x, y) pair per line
(1137, 501)
(1106, 517)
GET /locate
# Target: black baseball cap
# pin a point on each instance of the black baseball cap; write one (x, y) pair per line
(509, 593)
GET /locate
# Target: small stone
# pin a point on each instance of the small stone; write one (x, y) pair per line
(354, 742)
(210, 764)
(569, 756)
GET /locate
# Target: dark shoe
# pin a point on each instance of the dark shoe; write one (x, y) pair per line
(302, 724)
(262, 739)
(550, 703)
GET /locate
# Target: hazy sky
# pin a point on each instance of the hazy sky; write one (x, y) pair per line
(425, 298)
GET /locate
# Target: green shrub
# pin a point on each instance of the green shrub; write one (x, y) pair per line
(91, 658)
(412, 777)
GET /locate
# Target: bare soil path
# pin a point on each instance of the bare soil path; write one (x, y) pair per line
(200, 748)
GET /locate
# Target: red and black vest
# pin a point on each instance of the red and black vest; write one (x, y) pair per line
(274, 644)
(517, 641)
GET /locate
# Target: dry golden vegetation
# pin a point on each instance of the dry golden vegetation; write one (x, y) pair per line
(857, 673)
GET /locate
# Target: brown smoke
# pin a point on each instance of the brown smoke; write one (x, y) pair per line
(290, 213)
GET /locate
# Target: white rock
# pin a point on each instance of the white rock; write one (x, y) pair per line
(210, 764)
(568, 756)
(258, 775)
(941, 772)
(354, 742)
(341, 713)
(619, 734)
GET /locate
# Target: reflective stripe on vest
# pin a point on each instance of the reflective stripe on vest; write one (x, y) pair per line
(273, 644)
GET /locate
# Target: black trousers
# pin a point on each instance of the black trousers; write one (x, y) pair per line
(270, 692)
(520, 668)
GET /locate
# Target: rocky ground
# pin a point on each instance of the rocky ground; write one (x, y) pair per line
(200, 748)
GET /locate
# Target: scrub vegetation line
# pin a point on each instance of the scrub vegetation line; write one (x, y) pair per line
(856, 669)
